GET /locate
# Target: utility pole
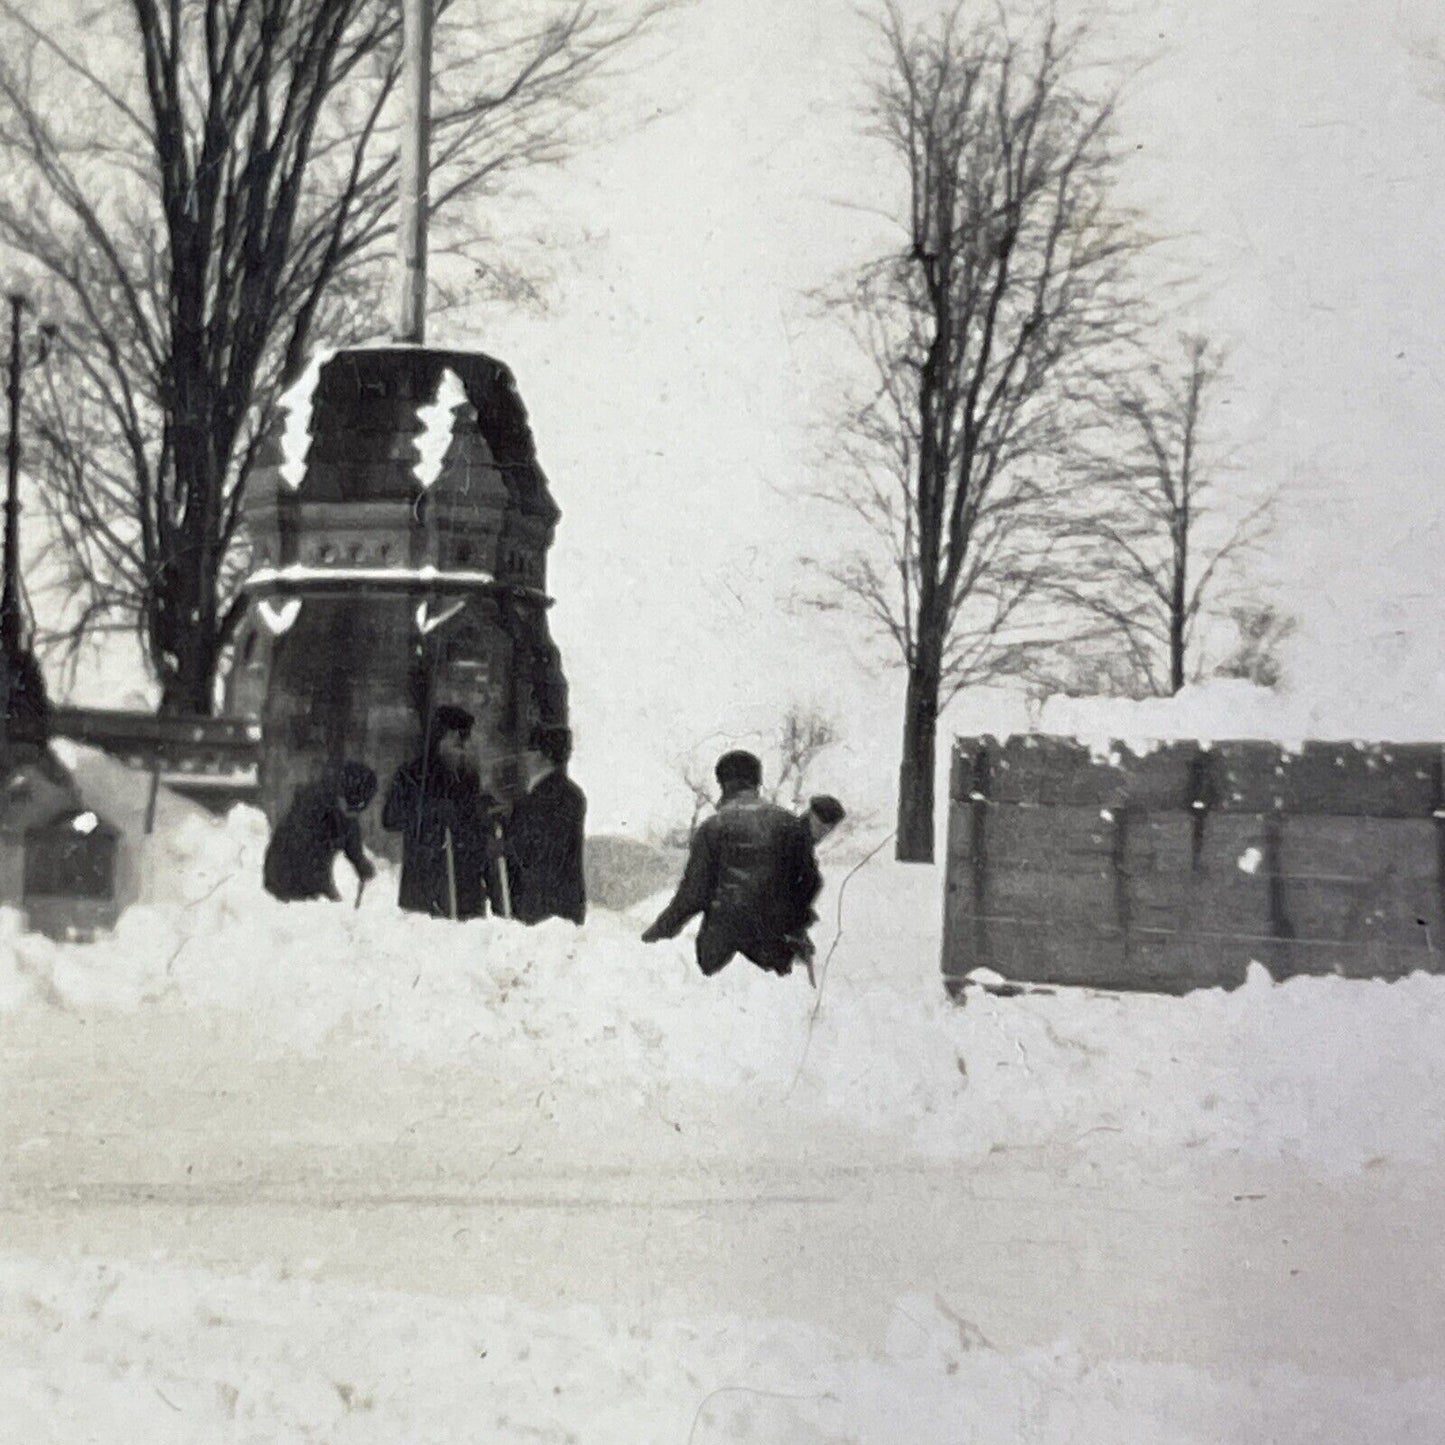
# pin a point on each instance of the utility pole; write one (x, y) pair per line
(25, 705)
(10, 629)
(415, 165)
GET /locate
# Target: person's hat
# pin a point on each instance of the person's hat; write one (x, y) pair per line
(553, 741)
(827, 810)
(739, 768)
(449, 718)
(358, 785)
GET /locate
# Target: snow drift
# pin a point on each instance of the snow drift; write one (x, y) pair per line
(1339, 1072)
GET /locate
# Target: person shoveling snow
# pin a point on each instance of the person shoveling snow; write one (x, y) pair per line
(752, 875)
(821, 817)
(320, 823)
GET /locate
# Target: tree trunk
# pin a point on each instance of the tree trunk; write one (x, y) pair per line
(1177, 608)
(1179, 592)
(191, 686)
(915, 776)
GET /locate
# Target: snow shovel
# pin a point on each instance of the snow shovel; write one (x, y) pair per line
(451, 877)
(504, 882)
(803, 953)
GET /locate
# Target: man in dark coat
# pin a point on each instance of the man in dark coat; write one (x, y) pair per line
(822, 815)
(748, 866)
(320, 823)
(545, 838)
(447, 823)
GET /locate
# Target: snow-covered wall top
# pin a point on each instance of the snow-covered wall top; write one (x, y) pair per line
(1349, 780)
(1219, 710)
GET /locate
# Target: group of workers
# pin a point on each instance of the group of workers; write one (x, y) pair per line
(752, 870)
(463, 854)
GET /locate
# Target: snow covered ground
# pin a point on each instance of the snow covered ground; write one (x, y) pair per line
(315, 1172)
(101, 1351)
(1329, 1071)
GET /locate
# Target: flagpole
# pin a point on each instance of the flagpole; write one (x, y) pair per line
(415, 165)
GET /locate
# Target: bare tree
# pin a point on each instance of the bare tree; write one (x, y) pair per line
(1009, 284)
(208, 187)
(1155, 543)
(697, 779)
(804, 735)
(1261, 630)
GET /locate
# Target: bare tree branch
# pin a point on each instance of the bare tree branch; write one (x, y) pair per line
(1008, 294)
(207, 194)
(1153, 538)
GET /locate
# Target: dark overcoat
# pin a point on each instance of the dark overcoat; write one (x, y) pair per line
(303, 849)
(544, 851)
(749, 869)
(435, 808)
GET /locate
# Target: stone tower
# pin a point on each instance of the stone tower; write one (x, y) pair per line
(400, 524)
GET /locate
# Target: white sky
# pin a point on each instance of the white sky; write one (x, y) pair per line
(676, 381)
(1291, 149)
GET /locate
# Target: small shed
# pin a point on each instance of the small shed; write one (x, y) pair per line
(34, 788)
(61, 863)
(70, 875)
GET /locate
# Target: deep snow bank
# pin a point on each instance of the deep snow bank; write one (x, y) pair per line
(115, 1351)
(1336, 1071)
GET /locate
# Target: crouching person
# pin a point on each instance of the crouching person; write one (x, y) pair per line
(747, 868)
(822, 816)
(447, 822)
(320, 823)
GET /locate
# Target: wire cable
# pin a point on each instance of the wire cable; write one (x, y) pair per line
(832, 949)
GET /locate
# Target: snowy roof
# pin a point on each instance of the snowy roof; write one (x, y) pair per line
(343, 400)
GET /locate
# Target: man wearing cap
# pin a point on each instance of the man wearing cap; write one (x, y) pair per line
(747, 867)
(818, 820)
(446, 819)
(545, 837)
(320, 823)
